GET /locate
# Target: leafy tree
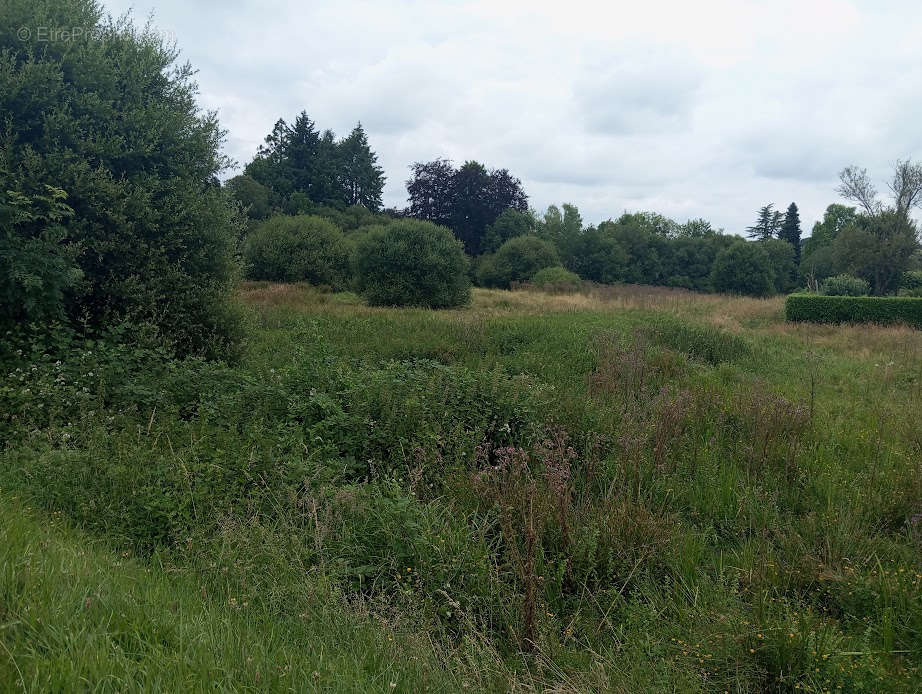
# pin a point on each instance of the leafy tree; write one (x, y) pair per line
(298, 249)
(835, 218)
(767, 225)
(468, 200)
(110, 118)
(412, 263)
(651, 222)
(430, 191)
(783, 264)
(562, 229)
(881, 243)
(517, 261)
(877, 249)
(743, 268)
(252, 195)
(645, 248)
(790, 230)
(597, 256)
(691, 258)
(695, 228)
(508, 225)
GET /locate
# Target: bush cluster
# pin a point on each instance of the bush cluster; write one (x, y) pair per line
(517, 260)
(854, 309)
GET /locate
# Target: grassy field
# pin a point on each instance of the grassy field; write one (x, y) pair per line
(629, 489)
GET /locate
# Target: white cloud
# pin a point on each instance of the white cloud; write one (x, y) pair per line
(705, 109)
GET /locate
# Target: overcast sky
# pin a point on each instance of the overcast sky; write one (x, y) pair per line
(692, 109)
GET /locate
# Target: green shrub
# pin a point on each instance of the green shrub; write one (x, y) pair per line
(298, 249)
(743, 268)
(854, 309)
(111, 118)
(911, 283)
(517, 260)
(556, 278)
(845, 285)
(412, 263)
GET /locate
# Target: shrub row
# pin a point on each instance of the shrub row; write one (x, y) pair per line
(854, 309)
(406, 263)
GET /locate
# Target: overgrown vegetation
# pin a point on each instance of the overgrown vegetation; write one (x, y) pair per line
(548, 488)
(598, 487)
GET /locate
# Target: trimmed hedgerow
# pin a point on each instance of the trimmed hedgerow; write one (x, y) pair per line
(854, 309)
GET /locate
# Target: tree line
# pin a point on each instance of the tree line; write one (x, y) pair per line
(112, 209)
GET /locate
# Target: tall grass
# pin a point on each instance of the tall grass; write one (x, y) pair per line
(624, 490)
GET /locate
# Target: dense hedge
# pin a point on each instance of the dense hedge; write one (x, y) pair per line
(854, 309)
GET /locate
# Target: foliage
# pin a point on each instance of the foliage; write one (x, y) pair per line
(835, 219)
(783, 262)
(877, 249)
(38, 271)
(111, 119)
(911, 283)
(556, 278)
(564, 230)
(298, 249)
(517, 260)
(854, 309)
(768, 224)
(510, 224)
(845, 285)
(412, 263)
(303, 167)
(743, 268)
(597, 256)
(467, 200)
(538, 473)
(253, 196)
(645, 248)
(790, 231)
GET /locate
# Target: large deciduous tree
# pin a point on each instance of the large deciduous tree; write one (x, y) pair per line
(468, 199)
(880, 244)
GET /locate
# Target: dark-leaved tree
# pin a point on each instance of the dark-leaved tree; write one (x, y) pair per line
(790, 230)
(467, 200)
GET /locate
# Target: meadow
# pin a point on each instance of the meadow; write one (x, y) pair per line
(621, 489)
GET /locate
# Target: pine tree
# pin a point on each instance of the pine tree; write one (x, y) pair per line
(790, 230)
(362, 178)
(767, 225)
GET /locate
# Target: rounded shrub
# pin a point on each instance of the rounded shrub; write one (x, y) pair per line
(743, 268)
(517, 260)
(845, 285)
(556, 278)
(412, 263)
(298, 249)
